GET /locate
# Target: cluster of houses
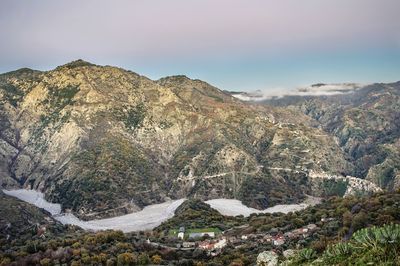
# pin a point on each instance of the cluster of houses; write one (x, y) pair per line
(214, 244)
(211, 244)
(275, 238)
(354, 186)
(213, 247)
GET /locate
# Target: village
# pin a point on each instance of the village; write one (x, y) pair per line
(214, 241)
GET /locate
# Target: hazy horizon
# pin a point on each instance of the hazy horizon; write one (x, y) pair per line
(234, 45)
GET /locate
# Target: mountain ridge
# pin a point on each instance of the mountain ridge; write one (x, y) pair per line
(364, 122)
(95, 138)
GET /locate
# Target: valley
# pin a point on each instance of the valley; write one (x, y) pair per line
(101, 155)
(151, 216)
(146, 219)
(199, 133)
(103, 141)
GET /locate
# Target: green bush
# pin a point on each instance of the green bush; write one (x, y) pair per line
(126, 259)
(304, 256)
(376, 238)
(337, 252)
(374, 246)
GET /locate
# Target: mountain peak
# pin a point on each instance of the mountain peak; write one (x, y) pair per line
(21, 71)
(174, 78)
(76, 63)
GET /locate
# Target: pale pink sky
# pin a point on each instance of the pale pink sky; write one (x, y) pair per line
(211, 39)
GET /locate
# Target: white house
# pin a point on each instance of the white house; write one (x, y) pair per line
(280, 240)
(220, 244)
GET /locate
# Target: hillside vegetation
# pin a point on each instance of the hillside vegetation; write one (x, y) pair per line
(365, 123)
(103, 141)
(356, 231)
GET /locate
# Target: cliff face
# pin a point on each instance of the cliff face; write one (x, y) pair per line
(366, 124)
(104, 141)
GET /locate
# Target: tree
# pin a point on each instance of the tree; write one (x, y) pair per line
(111, 262)
(156, 259)
(343, 231)
(76, 263)
(45, 262)
(126, 259)
(298, 222)
(237, 262)
(359, 220)
(347, 219)
(143, 259)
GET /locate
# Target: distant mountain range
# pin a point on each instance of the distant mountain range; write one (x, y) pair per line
(104, 141)
(364, 120)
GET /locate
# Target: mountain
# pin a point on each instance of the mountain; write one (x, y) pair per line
(365, 122)
(104, 141)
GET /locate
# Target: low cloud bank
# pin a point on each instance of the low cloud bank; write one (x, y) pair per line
(319, 89)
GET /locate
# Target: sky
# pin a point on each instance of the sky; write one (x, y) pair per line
(239, 45)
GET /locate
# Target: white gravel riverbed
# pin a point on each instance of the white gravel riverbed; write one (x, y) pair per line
(151, 216)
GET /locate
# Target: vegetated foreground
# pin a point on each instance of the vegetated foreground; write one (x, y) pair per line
(339, 231)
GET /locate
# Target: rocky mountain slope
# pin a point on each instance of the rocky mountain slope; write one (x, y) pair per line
(103, 141)
(365, 123)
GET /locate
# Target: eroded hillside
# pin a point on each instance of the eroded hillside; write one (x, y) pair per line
(365, 123)
(103, 141)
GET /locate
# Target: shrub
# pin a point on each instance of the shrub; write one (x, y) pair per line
(156, 259)
(377, 237)
(111, 262)
(143, 259)
(338, 250)
(304, 255)
(76, 263)
(126, 259)
(375, 245)
(359, 220)
(45, 262)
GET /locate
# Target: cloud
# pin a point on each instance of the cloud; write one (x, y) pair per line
(313, 90)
